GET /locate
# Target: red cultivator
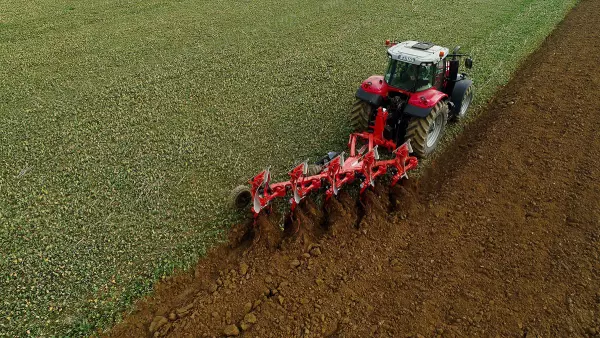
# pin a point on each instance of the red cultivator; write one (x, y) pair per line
(363, 164)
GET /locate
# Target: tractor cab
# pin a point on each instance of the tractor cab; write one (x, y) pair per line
(415, 66)
(422, 89)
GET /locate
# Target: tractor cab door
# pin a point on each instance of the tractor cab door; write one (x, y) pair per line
(439, 81)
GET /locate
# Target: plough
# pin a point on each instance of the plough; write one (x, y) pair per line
(362, 164)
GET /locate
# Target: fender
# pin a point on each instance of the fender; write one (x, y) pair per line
(373, 99)
(458, 92)
(373, 90)
(420, 104)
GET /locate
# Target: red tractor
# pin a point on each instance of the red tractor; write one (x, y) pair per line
(404, 112)
(422, 89)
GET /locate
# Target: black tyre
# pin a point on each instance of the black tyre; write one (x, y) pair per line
(464, 104)
(425, 133)
(314, 169)
(240, 197)
(360, 115)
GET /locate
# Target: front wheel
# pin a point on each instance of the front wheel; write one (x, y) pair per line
(426, 132)
(360, 115)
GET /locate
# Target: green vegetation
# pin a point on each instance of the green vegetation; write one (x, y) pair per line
(124, 124)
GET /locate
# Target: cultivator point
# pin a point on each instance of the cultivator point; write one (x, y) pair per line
(363, 164)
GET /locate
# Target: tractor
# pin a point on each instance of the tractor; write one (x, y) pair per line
(404, 112)
(422, 90)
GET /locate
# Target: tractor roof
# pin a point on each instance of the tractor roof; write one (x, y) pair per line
(416, 52)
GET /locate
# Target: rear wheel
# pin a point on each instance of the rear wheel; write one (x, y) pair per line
(360, 115)
(425, 132)
(465, 102)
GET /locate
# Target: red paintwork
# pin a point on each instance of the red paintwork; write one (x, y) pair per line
(426, 98)
(376, 84)
(339, 171)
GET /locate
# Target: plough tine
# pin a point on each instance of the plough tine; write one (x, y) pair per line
(332, 170)
(409, 146)
(401, 155)
(403, 162)
(297, 178)
(368, 161)
(260, 181)
(257, 207)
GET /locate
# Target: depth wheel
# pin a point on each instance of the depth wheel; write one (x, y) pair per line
(240, 197)
(360, 115)
(425, 133)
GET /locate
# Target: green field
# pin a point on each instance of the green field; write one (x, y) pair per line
(124, 125)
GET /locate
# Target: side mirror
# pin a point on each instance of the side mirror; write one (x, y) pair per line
(469, 63)
(456, 49)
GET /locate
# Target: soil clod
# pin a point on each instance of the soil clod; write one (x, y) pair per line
(231, 331)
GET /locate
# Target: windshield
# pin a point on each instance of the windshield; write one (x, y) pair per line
(410, 77)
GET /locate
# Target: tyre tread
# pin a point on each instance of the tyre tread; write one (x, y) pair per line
(359, 115)
(418, 128)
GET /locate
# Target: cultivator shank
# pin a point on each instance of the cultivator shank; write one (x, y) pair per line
(363, 164)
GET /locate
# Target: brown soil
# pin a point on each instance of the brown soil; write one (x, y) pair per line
(502, 239)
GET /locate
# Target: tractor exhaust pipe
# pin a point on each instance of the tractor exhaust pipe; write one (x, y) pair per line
(453, 73)
(454, 64)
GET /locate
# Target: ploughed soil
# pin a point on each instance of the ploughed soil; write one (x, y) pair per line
(500, 238)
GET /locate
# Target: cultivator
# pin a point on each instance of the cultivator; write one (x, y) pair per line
(362, 164)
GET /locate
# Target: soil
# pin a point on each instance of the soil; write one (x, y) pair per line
(500, 238)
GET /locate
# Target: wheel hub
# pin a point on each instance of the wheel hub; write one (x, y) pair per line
(435, 130)
(465, 104)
